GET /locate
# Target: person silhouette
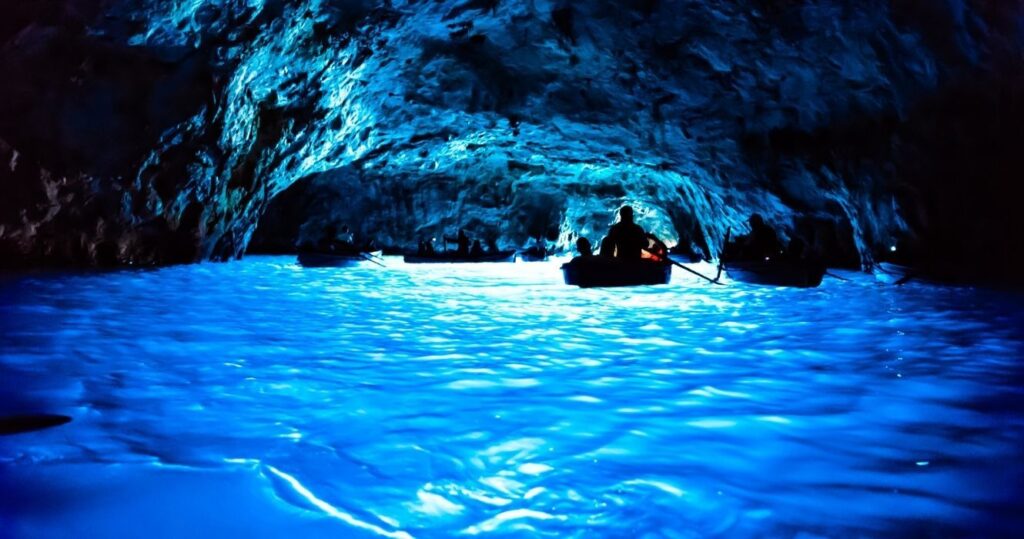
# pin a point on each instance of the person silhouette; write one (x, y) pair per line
(627, 237)
(607, 248)
(584, 248)
(762, 243)
(346, 238)
(463, 241)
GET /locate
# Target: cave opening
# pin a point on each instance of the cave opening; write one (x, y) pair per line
(412, 268)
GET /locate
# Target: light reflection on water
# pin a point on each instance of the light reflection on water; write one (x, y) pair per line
(426, 401)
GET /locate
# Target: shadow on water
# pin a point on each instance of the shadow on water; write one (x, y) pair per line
(17, 424)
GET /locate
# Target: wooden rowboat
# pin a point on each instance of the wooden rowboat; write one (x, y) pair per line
(318, 259)
(596, 271)
(776, 273)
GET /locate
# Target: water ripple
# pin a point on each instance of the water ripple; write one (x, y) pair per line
(493, 400)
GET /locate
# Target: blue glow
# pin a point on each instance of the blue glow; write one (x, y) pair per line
(258, 397)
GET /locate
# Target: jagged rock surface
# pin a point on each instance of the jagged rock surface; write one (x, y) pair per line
(159, 131)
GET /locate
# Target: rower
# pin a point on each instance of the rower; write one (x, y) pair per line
(345, 240)
(607, 247)
(425, 248)
(584, 248)
(627, 238)
(462, 240)
(762, 243)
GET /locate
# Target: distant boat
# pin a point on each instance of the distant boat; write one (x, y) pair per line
(533, 255)
(776, 273)
(320, 259)
(595, 271)
(898, 274)
(453, 257)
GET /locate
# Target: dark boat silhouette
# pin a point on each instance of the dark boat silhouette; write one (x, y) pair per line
(598, 271)
(321, 259)
(17, 424)
(776, 273)
(533, 254)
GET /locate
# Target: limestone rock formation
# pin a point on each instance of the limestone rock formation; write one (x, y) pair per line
(159, 131)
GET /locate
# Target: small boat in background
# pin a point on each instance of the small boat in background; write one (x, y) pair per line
(596, 271)
(321, 259)
(529, 255)
(889, 273)
(899, 274)
(453, 257)
(776, 273)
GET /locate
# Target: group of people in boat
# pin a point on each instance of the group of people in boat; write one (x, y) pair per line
(463, 245)
(626, 241)
(341, 241)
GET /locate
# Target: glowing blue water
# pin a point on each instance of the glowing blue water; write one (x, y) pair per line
(258, 398)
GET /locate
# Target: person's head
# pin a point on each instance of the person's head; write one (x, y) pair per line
(756, 221)
(344, 229)
(626, 214)
(583, 247)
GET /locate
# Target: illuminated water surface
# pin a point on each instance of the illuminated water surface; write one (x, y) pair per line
(257, 398)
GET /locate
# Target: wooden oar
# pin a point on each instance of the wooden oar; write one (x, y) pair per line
(369, 258)
(698, 274)
(834, 276)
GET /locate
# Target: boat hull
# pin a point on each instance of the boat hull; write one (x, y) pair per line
(533, 254)
(776, 273)
(889, 273)
(454, 258)
(313, 259)
(597, 272)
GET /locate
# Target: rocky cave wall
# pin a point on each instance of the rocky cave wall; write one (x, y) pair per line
(159, 131)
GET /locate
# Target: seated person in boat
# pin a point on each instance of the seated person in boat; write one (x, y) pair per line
(346, 237)
(462, 240)
(795, 250)
(607, 248)
(797, 253)
(539, 249)
(762, 243)
(426, 247)
(332, 241)
(477, 249)
(626, 237)
(584, 248)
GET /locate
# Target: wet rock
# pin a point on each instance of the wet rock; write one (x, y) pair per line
(161, 131)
